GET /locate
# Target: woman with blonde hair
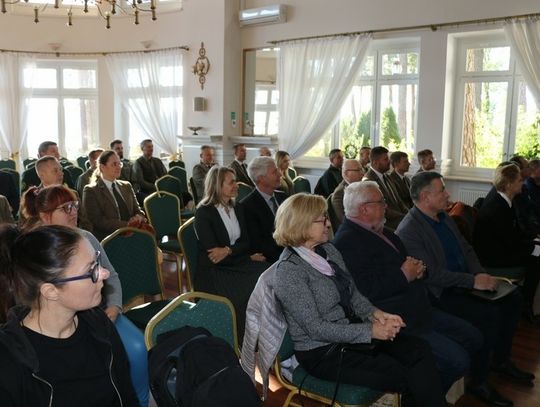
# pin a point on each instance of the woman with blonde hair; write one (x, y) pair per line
(283, 161)
(226, 266)
(326, 314)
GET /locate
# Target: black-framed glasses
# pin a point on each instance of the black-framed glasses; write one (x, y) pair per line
(324, 220)
(92, 273)
(68, 207)
(381, 202)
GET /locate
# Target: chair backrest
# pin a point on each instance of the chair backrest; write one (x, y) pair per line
(9, 163)
(177, 163)
(169, 184)
(332, 214)
(243, 191)
(292, 173)
(196, 198)
(29, 162)
(301, 184)
(196, 309)
(189, 244)
(163, 212)
(133, 254)
(81, 161)
(181, 175)
(75, 172)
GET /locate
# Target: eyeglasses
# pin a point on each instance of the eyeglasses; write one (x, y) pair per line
(382, 202)
(68, 207)
(117, 164)
(92, 273)
(324, 220)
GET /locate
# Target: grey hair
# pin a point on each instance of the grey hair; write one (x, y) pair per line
(356, 194)
(421, 181)
(258, 167)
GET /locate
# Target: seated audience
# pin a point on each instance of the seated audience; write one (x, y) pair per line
(147, 169)
(10, 189)
(58, 345)
(239, 165)
(265, 152)
(58, 205)
(364, 158)
(109, 202)
(84, 179)
(528, 218)
(352, 172)
(431, 235)
(324, 310)
(283, 160)
(332, 176)
(260, 207)
(532, 185)
(498, 239)
(200, 170)
(426, 160)
(401, 183)
(127, 173)
(30, 177)
(226, 265)
(380, 164)
(393, 281)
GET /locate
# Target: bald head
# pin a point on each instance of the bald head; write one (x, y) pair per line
(352, 171)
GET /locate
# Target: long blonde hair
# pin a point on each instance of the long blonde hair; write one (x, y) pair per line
(213, 186)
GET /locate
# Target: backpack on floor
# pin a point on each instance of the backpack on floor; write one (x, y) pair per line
(188, 367)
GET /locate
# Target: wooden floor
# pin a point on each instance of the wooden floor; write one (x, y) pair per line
(526, 355)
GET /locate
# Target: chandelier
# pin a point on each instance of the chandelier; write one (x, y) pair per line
(105, 8)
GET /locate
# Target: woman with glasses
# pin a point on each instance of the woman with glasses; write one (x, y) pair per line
(326, 313)
(57, 205)
(110, 203)
(226, 265)
(58, 347)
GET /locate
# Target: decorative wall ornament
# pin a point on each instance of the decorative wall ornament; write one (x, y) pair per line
(202, 66)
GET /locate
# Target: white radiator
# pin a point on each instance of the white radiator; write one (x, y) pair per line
(469, 196)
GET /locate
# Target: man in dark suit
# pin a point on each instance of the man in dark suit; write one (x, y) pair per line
(127, 173)
(453, 268)
(332, 176)
(84, 179)
(261, 205)
(351, 172)
(239, 166)
(400, 182)
(200, 170)
(147, 169)
(393, 281)
(30, 177)
(380, 164)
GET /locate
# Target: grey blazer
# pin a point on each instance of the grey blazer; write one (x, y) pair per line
(423, 243)
(102, 210)
(310, 303)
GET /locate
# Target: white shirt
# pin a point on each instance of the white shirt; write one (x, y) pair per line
(230, 221)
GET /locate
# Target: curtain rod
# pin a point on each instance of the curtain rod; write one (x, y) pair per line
(58, 54)
(432, 27)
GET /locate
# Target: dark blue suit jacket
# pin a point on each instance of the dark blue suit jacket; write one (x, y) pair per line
(376, 269)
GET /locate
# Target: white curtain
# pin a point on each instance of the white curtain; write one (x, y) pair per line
(315, 77)
(524, 37)
(144, 83)
(15, 94)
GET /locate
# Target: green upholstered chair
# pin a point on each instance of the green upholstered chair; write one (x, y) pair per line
(163, 212)
(75, 172)
(169, 184)
(212, 312)
(181, 175)
(196, 198)
(81, 161)
(134, 255)
(29, 163)
(190, 249)
(9, 163)
(301, 184)
(243, 191)
(292, 173)
(318, 389)
(332, 214)
(177, 163)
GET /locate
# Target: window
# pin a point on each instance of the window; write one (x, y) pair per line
(382, 106)
(265, 121)
(63, 107)
(496, 115)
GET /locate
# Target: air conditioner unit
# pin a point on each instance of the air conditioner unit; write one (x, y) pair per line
(263, 15)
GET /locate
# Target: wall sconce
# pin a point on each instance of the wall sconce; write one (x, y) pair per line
(199, 104)
(202, 66)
